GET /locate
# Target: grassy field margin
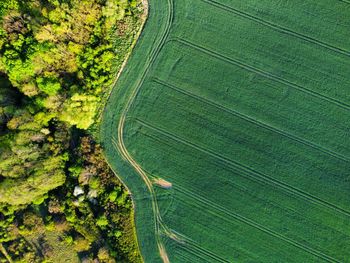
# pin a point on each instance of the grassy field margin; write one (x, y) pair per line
(119, 99)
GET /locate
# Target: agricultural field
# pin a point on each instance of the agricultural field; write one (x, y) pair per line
(230, 126)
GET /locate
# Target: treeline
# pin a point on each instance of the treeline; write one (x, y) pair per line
(58, 59)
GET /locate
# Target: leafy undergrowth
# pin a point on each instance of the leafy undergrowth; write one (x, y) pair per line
(89, 217)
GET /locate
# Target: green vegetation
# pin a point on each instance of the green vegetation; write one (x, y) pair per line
(59, 200)
(243, 107)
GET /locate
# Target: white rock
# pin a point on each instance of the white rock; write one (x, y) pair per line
(78, 191)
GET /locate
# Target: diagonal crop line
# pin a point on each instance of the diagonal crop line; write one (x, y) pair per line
(250, 172)
(187, 258)
(194, 253)
(200, 254)
(261, 72)
(254, 121)
(196, 247)
(277, 27)
(255, 225)
(204, 251)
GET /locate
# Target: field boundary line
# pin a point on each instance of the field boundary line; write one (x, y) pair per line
(260, 72)
(248, 170)
(277, 27)
(256, 225)
(254, 121)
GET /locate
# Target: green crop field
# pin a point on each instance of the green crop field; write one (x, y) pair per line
(230, 125)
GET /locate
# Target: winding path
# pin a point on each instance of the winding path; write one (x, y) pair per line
(124, 103)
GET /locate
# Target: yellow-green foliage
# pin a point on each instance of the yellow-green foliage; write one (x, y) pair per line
(49, 175)
(80, 110)
(114, 10)
(81, 244)
(57, 60)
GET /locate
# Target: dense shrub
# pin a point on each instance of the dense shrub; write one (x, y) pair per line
(57, 63)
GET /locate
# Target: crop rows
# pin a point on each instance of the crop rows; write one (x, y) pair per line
(333, 124)
(245, 113)
(264, 73)
(216, 207)
(176, 121)
(313, 27)
(176, 181)
(277, 27)
(249, 171)
(290, 59)
(256, 122)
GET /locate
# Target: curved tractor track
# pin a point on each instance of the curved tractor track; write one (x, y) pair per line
(159, 227)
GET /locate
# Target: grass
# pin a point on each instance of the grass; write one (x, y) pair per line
(243, 108)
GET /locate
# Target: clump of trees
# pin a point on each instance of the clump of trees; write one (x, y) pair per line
(58, 59)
